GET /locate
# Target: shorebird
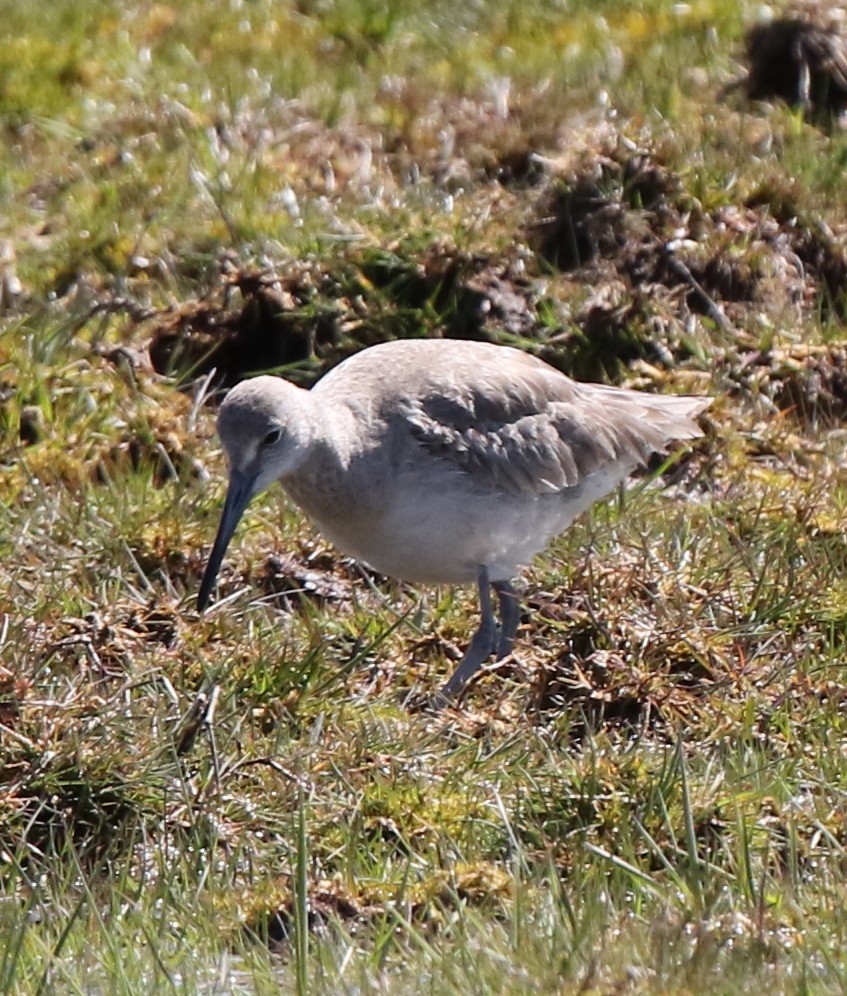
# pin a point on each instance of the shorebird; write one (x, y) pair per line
(441, 461)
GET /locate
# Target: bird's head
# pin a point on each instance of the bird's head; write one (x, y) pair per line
(264, 428)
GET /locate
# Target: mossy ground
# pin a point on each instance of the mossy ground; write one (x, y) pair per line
(650, 796)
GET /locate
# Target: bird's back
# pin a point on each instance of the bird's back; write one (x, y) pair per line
(478, 454)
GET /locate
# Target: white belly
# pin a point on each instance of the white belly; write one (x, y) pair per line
(443, 533)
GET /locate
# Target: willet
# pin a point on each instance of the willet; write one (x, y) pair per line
(441, 461)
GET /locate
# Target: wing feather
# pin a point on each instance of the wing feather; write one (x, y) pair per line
(541, 433)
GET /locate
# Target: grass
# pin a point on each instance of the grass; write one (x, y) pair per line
(650, 797)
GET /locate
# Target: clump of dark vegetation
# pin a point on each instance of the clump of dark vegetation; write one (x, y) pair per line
(251, 321)
(629, 226)
(626, 218)
(610, 206)
(808, 383)
(800, 59)
(56, 802)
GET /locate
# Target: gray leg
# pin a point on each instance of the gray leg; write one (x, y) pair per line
(510, 615)
(482, 644)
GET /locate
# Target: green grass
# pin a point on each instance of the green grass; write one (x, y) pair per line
(650, 797)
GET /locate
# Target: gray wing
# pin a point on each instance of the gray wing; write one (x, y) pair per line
(534, 431)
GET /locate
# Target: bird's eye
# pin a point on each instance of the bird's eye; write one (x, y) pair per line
(272, 437)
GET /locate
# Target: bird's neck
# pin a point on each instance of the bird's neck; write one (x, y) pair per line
(326, 483)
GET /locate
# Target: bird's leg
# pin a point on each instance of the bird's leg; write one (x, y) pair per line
(482, 644)
(510, 614)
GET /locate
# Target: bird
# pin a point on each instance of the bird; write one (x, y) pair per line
(441, 461)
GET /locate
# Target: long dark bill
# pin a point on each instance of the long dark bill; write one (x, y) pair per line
(238, 495)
